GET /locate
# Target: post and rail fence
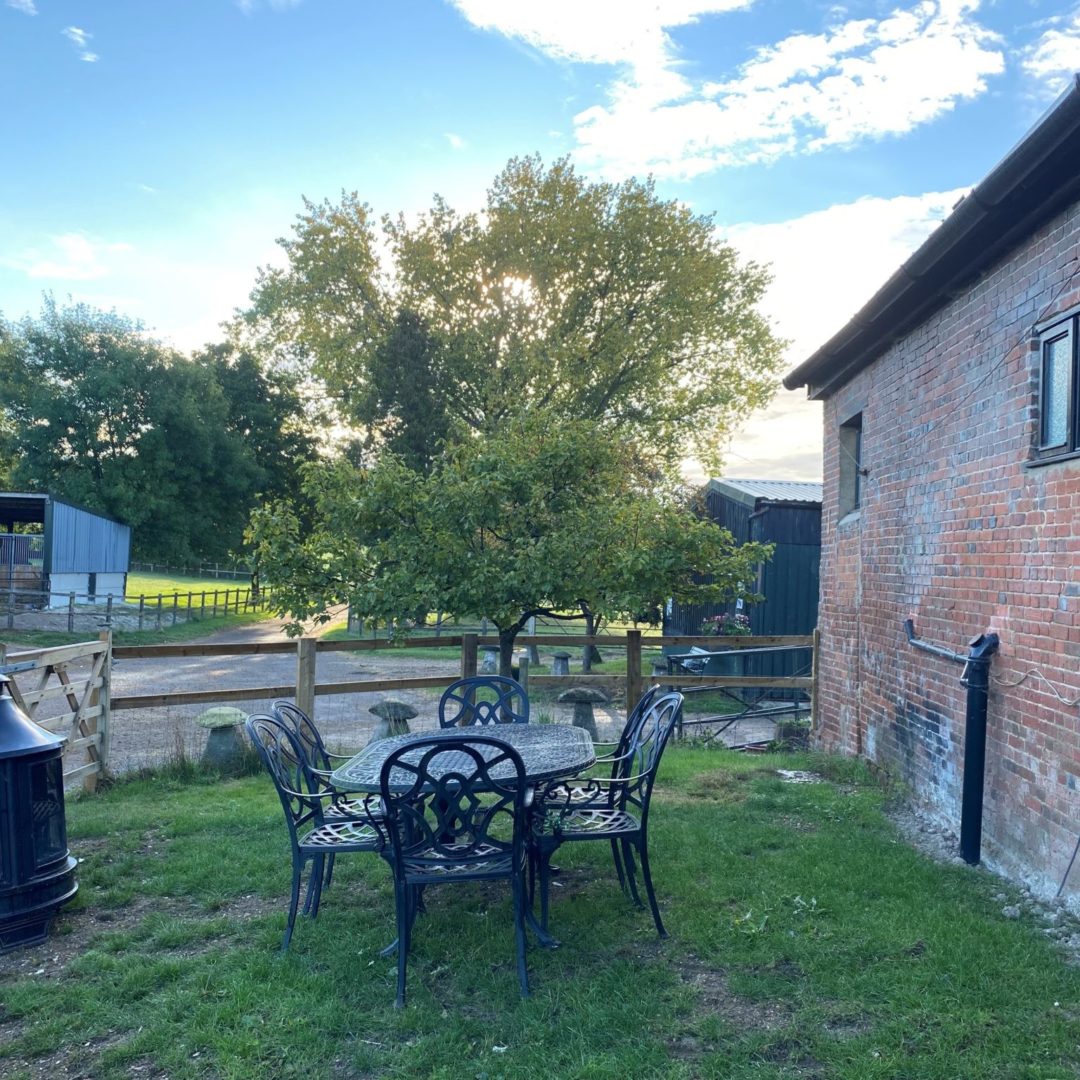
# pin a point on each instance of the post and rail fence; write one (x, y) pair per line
(148, 611)
(88, 708)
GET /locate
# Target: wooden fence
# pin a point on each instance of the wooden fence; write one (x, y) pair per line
(66, 691)
(91, 706)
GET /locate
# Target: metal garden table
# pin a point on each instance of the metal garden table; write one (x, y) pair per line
(548, 751)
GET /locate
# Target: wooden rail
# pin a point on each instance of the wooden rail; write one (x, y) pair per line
(73, 705)
(82, 710)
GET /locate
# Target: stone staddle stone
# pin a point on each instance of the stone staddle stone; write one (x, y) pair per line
(224, 748)
(393, 718)
(583, 698)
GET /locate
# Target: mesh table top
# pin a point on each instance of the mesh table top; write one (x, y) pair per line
(547, 751)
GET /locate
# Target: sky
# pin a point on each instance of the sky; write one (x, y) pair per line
(152, 151)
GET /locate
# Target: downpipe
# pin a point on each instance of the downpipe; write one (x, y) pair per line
(976, 678)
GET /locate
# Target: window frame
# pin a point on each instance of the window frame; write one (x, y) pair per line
(851, 472)
(1063, 326)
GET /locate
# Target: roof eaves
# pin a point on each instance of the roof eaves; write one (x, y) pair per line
(1008, 204)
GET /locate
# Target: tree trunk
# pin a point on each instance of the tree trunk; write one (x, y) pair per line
(590, 654)
(506, 651)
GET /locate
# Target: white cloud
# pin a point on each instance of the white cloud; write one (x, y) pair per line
(859, 79)
(456, 141)
(71, 257)
(1056, 55)
(27, 7)
(249, 7)
(825, 266)
(80, 39)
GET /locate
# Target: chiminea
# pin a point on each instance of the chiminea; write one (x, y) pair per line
(36, 872)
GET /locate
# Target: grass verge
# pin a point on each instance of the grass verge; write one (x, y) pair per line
(807, 941)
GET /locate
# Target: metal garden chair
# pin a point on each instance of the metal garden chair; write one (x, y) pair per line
(456, 810)
(314, 839)
(459, 707)
(321, 764)
(614, 809)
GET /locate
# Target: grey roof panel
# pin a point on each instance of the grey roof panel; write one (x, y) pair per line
(780, 491)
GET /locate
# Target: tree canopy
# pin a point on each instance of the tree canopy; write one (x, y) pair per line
(546, 517)
(97, 412)
(591, 301)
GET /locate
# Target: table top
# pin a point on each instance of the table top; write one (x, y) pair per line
(548, 751)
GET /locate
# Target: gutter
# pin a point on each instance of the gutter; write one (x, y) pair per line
(1039, 176)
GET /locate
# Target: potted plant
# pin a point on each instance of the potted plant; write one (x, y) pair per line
(727, 625)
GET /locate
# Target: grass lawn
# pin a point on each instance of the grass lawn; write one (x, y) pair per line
(152, 584)
(807, 941)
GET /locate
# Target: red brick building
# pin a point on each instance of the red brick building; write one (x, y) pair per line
(952, 497)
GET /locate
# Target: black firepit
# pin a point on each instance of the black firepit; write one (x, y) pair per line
(36, 872)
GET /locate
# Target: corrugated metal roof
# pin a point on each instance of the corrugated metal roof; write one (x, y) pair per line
(792, 491)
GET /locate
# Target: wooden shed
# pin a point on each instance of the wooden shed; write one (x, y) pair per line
(54, 548)
(786, 514)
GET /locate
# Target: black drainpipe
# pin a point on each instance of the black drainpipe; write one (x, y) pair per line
(976, 677)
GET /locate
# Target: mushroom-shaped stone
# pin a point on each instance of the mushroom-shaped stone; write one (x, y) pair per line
(583, 698)
(224, 748)
(393, 718)
(489, 665)
(560, 663)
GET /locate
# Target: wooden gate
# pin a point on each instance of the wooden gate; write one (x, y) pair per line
(65, 690)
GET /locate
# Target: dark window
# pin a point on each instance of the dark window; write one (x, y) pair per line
(851, 470)
(1057, 389)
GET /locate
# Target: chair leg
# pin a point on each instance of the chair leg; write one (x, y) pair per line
(315, 888)
(618, 863)
(545, 888)
(518, 886)
(309, 895)
(631, 875)
(294, 902)
(404, 925)
(643, 850)
(329, 871)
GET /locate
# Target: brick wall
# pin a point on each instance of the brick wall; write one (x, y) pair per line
(954, 532)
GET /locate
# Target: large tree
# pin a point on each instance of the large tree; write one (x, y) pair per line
(553, 518)
(97, 412)
(590, 300)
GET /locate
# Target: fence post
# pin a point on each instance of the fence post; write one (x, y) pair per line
(190, 597)
(305, 675)
(142, 610)
(468, 655)
(160, 601)
(108, 611)
(102, 697)
(633, 669)
(523, 674)
(71, 613)
(175, 606)
(11, 608)
(814, 680)
(202, 606)
(438, 623)
(534, 649)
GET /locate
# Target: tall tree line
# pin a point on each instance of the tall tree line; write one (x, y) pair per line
(181, 448)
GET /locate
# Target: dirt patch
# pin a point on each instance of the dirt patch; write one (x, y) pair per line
(717, 999)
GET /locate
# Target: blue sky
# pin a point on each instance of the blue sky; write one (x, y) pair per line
(154, 149)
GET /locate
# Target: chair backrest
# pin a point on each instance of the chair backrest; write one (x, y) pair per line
(307, 735)
(483, 699)
(284, 759)
(633, 722)
(458, 800)
(646, 745)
